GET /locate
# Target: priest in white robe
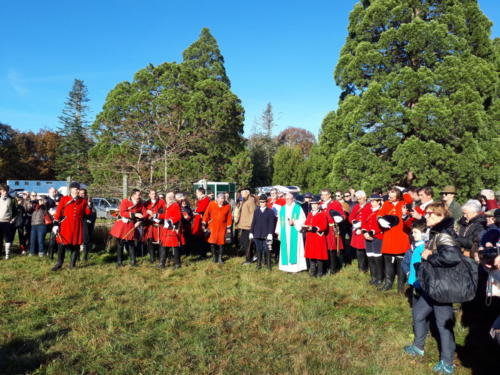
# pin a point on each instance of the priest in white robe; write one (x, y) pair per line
(291, 218)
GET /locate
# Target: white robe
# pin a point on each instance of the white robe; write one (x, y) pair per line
(301, 260)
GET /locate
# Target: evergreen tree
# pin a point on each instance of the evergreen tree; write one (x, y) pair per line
(240, 169)
(72, 151)
(205, 57)
(292, 166)
(173, 124)
(419, 102)
(262, 147)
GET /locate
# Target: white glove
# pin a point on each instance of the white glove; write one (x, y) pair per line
(125, 220)
(356, 224)
(250, 236)
(55, 229)
(52, 211)
(384, 223)
(338, 219)
(269, 237)
(156, 220)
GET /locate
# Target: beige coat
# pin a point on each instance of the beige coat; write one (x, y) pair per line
(246, 213)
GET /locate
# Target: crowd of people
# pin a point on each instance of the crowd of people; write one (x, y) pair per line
(390, 234)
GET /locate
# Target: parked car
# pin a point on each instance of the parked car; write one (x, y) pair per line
(106, 207)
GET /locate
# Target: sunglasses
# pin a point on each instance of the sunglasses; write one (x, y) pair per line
(347, 195)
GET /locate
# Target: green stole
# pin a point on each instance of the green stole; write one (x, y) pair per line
(294, 235)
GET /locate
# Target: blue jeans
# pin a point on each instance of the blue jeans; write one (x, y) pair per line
(37, 238)
(445, 320)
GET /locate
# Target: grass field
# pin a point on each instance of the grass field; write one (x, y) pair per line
(202, 319)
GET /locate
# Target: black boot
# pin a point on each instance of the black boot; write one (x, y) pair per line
(362, 260)
(131, 253)
(219, 258)
(61, 252)
(177, 257)
(214, 252)
(371, 266)
(259, 259)
(319, 268)
(151, 251)
(52, 244)
(163, 257)
(75, 251)
(119, 253)
(267, 256)
(333, 261)
(86, 252)
(389, 268)
(379, 270)
(401, 275)
(312, 267)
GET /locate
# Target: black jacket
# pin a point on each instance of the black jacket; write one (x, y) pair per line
(447, 276)
(442, 241)
(469, 233)
(263, 223)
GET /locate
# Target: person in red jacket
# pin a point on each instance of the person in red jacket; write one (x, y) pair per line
(197, 231)
(316, 226)
(335, 215)
(132, 212)
(68, 225)
(395, 241)
(360, 209)
(218, 220)
(151, 223)
(373, 240)
(169, 235)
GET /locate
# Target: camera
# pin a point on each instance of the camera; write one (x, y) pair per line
(488, 255)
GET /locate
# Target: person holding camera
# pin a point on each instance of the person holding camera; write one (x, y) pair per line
(442, 250)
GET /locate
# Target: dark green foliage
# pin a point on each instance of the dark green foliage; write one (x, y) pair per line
(72, 158)
(205, 58)
(420, 98)
(240, 169)
(290, 167)
(172, 125)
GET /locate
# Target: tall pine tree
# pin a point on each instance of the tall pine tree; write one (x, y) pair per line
(420, 100)
(72, 151)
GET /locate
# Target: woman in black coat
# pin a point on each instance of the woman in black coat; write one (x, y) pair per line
(442, 250)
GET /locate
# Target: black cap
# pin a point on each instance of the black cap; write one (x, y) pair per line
(263, 198)
(316, 199)
(308, 195)
(74, 184)
(375, 196)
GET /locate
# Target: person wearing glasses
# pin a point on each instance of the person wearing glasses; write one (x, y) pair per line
(442, 250)
(448, 197)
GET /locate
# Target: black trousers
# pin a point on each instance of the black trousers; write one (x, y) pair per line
(246, 245)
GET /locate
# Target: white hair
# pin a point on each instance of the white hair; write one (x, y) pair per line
(360, 194)
(179, 196)
(220, 195)
(488, 193)
(472, 205)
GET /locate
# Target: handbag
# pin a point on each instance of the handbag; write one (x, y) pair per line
(455, 284)
(47, 219)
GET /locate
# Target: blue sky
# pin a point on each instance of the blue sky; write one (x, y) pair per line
(282, 52)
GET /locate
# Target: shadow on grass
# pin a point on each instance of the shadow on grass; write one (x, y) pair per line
(21, 356)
